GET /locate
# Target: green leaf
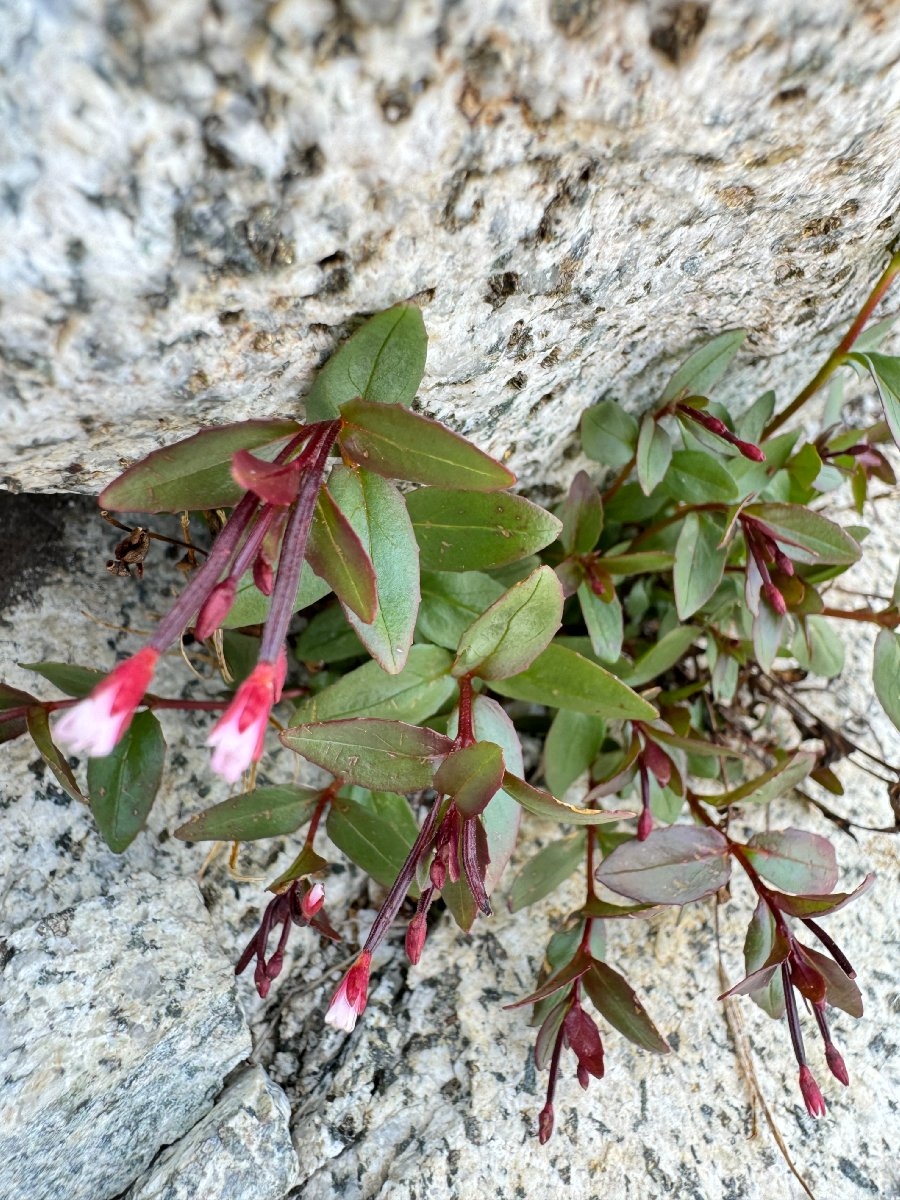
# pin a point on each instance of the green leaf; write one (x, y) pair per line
(196, 472)
(669, 650)
(602, 910)
(472, 531)
(699, 562)
(543, 873)
(609, 434)
(11, 697)
(773, 783)
(391, 441)
(705, 367)
(123, 785)
(251, 607)
(388, 756)
(642, 562)
(574, 969)
(38, 725)
(768, 633)
(758, 946)
(541, 804)
(375, 509)
(572, 744)
(603, 619)
(74, 681)
(471, 777)
(422, 687)
(502, 817)
(811, 538)
(817, 647)
(451, 601)
(384, 361)
(328, 638)
(377, 836)
(820, 906)
(616, 1000)
(560, 678)
(241, 653)
(885, 371)
(886, 673)
(263, 813)
(750, 425)
(672, 866)
(582, 516)
(510, 635)
(307, 863)
(654, 453)
(337, 555)
(695, 477)
(794, 860)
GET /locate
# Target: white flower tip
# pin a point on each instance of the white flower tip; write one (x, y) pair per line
(341, 1013)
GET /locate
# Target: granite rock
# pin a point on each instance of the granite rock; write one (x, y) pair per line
(118, 1022)
(200, 200)
(241, 1148)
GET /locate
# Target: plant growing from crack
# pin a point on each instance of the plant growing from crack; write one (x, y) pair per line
(638, 622)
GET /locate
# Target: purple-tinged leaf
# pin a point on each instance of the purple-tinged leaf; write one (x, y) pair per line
(820, 906)
(542, 804)
(123, 785)
(770, 785)
(602, 910)
(840, 990)
(762, 976)
(517, 627)
(386, 756)
(338, 556)
(583, 1037)
(613, 997)
(758, 946)
(392, 441)
(194, 473)
(38, 725)
(471, 777)
(812, 537)
(543, 873)
(672, 866)
(548, 1033)
(795, 860)
(263, 813)
(574, 969)
(582, 516)
(273, 483)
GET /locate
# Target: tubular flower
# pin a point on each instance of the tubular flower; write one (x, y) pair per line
(350, 998)
(237, 738)
(100, 720)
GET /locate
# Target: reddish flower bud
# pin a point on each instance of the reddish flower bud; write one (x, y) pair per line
(658, 762)
(438, 874)
(836, 1064)
(215, 609)
(775, 598)
(645, 825)
(812, 1097)
(583, 1076)
(748, 449)
(263, 576)
(415, 938)
(545, 1124)
(312, 901)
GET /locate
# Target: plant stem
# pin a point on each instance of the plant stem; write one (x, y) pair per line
(888, 618)
(836, 357)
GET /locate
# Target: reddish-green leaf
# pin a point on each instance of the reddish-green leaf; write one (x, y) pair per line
(795, 860)
(11, 697)
(38, 725)
(376, 832)
(376, 511)
(392, 441)
(475, 531)
(672, 866)
(507, 638)
(542, 804)
(73, 680)
(758, 946)
(263, 813)
(613, 997)
(388, 756)
(307, 862)
(338, 556)
(810, 537)
(123, 785)
(196, 472)
(549, 1031)
(770, 785)
(602, 910)
(582, 516)
(574, 969)
(471, 777)
(543, 873)
(383, 361)
(421, 688)
(560, 678)
(840, 990)
(820, 906)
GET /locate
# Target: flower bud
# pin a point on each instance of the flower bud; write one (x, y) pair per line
(312, 901)
(415, 938)
(645, 825)
(545, 1124)
(215, 609)
(775, 598)
(812, 1096)
(836, 1064)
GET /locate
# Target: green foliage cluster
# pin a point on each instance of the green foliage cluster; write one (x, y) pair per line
(441, 621)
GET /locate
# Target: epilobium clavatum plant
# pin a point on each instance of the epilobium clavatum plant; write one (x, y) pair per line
(634, 627)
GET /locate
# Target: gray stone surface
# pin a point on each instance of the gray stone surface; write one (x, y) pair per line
(241, 1148)
(199, 200)
(118, 1022)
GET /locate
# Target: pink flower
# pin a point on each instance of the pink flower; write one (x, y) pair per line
(238, 736)
(350, 998)
(98, 722)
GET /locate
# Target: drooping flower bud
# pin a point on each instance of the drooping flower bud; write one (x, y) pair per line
(836, 1064)
(545, 1124)
(215, 609)
(415, 937)
(312, 901)
(238, 736)
(98, 722)
(349, 1000)
(812, 1096)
